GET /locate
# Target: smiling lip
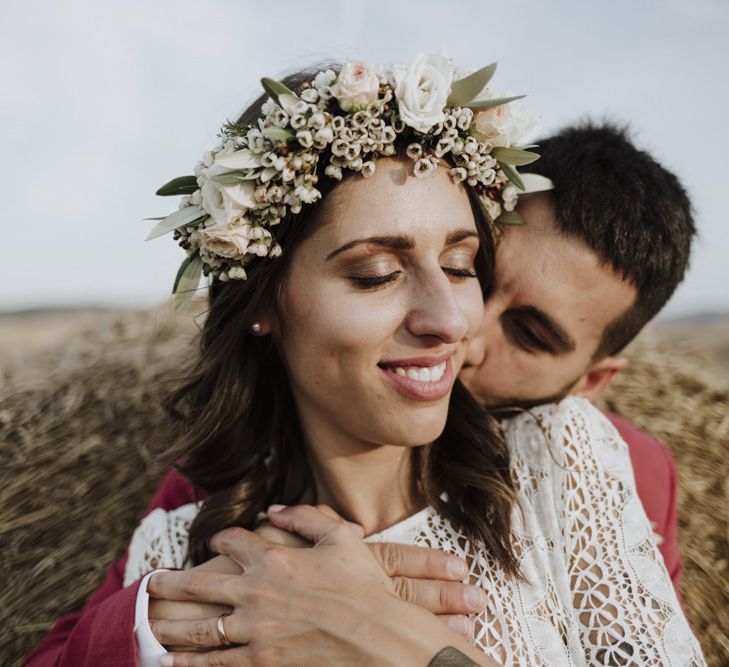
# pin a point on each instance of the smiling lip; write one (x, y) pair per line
(416, 389)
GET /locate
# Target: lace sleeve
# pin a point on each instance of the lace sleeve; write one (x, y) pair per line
(160, 540)
(622, 595)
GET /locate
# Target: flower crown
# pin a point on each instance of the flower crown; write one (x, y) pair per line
(260, 172)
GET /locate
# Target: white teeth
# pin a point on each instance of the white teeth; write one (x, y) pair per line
(422, 373)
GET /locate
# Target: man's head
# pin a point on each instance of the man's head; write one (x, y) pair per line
(598, 257)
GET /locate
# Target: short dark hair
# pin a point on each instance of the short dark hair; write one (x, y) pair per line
(631, 211)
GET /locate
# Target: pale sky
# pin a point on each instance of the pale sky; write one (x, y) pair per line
(104, 101)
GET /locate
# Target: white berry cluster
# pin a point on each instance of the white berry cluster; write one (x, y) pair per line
(263, 172)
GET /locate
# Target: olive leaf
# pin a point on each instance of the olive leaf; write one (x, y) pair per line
(464, 90)
(512, 174)
(490, 104)
(536, 183)
(187, 280)
(182, 185)
(514, 156)
(229, 178)
(242, 159)
(180, 218)
(510, 218)
(275, 88)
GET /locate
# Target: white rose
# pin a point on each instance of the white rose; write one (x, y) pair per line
(357, 85)
(225, 241)
(422, 89)
(506, 125)
(226, 203)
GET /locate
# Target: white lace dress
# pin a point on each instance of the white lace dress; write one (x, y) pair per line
(597, 592)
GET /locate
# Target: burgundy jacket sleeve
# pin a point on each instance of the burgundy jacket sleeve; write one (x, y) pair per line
(102, 633)
(656, 480)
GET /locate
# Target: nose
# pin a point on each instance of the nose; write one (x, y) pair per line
(437, 311)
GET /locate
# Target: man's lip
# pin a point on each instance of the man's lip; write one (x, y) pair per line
(416, 362)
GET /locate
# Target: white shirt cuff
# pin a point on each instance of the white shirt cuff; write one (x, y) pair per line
(149, 650)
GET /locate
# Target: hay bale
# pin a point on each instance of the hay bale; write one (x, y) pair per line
(79, 423)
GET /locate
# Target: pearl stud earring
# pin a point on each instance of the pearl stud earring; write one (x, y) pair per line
(256, 327)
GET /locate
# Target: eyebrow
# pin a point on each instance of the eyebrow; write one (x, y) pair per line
(562, 340)
(402, 242)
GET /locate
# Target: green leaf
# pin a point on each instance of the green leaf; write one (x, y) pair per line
(514, 156)
(490, 104)
(162, 218)
(242, 159)
(187, 280)
(182, 185)
(510, 218)
(275, 88)
(536, 183)
(229, 178)
(466, 89)
(512, 174)
(277, 134)
(180, 218)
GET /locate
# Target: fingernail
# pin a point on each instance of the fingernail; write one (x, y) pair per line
(475, 597)
(458, 624)
(167, 660)
(457, 568)
(276, 508)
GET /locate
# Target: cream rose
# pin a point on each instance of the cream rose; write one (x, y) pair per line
(226, 203)
(225, 241)
(357, 85)
(422, 89)
(507, 125)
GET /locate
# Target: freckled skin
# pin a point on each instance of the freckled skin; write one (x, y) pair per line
(538, 266)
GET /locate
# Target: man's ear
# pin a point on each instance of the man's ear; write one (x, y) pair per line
(598, 377)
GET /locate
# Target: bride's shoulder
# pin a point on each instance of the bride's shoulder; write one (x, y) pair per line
(160, 541)
(572, 433)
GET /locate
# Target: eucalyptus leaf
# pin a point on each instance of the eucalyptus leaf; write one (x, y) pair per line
(180, 218)
(510, 218)
(180, 271)
(182, 185)
(229, 178)
(187, 280)
(512, 174)
(514, 156)
(242, 159)
(536, 183)
(277, 134)
(275, 88)
(466, 89)
(490, 104)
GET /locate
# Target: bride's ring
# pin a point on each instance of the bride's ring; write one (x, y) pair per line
(221, 629)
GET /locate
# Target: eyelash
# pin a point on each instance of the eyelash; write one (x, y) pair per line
(372, 282)
(527, 339)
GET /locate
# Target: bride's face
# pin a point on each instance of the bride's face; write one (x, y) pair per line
(377, 307)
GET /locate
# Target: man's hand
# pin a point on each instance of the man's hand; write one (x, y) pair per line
(330, 604)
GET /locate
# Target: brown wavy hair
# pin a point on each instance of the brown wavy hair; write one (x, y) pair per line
(239, 437)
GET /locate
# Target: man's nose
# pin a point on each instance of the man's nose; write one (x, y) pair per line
(478, 345)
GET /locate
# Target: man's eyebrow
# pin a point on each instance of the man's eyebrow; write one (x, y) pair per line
(393, 242)
(401, 242)
(562, 340)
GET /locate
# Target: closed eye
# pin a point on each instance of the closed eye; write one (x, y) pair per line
(526, 337)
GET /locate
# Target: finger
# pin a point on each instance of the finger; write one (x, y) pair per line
(441, 597)
(405, 560)
(241, 656)
(196, 585)
(239, 544)
(201, 633)
(306, 521)
(458, 623)
(358, 529)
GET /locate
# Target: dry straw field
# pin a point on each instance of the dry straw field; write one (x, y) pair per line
(79, 423)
